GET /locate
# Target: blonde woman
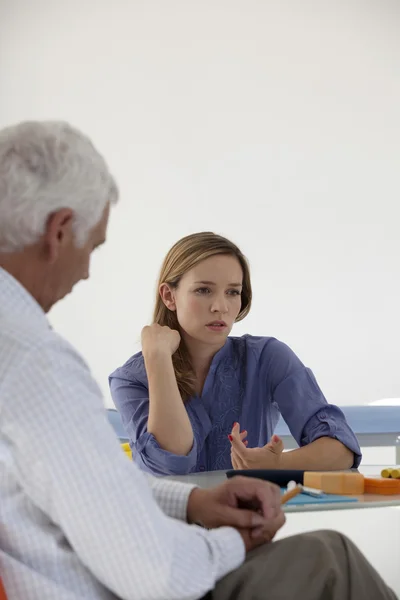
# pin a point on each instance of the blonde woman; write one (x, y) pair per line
(197, 399)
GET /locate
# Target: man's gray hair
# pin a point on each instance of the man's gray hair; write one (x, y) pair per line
(46, 166)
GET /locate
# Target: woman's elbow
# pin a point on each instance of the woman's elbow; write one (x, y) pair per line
(344, 456)
(165, 469)
(177, 445)
(182, 465)
(162, 466)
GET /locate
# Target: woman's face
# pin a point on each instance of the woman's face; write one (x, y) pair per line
(208, 298)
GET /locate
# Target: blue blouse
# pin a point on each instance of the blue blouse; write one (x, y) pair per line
(251, 380)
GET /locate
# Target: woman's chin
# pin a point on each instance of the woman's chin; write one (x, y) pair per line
(207, 336)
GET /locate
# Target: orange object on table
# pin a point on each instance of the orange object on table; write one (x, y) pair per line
(335, 482)
(381, 485)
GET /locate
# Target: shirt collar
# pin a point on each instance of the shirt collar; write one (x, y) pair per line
(14, 298)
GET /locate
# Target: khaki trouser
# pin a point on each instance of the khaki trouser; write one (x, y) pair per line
(322, 565)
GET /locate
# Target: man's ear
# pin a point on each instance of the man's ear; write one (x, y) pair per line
(58, 232)
(167, 296)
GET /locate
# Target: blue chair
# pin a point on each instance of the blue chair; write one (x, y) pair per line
(374, 426)
(115, 421)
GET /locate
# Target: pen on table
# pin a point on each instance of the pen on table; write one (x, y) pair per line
(306, 490)
(313, 492)
(291, 493)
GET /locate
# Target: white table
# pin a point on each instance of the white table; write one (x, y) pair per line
(374, 532)
(212, 478)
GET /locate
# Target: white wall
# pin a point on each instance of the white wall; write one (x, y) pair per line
(275, 123)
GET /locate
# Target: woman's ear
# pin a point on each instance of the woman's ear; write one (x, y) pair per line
(167, 296)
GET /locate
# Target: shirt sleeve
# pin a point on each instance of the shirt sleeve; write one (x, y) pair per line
(72, 468)
(301, 402)
(132, 401)
(171, 496)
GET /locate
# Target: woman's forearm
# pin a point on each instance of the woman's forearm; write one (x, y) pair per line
(168, 420)
(324, 454)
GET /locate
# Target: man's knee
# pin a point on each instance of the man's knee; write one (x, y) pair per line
(330, 535)
(325, 542)
(337, 538)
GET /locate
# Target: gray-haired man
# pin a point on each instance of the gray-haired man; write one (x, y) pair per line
(77, 519)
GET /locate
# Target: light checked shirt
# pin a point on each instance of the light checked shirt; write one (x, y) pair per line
(78, 520)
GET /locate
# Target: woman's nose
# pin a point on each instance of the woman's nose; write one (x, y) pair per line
(220, 305)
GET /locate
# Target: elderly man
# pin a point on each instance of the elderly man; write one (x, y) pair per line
(77, 519)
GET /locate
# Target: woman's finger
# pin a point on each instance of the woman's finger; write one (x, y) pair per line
(238, 446)
(234, 462)
(243, 435)
(237, 459)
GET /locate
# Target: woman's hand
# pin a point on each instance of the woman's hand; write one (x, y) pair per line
(267, 457)
(168, 419)
(157, 339)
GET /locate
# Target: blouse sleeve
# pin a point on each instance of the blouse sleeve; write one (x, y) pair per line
(301, 402)
(131, 398)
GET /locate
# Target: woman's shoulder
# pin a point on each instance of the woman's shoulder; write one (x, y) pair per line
(132, 369)
(263, 348)
(255, 343)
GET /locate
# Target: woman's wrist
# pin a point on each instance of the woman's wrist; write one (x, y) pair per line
(158, 355)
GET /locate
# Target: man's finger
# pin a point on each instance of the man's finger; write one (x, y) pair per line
(270, 500)
(242, 518)
(267, 495)
(268, 532)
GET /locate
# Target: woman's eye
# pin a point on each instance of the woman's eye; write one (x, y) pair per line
(234, 293)
(202, 291)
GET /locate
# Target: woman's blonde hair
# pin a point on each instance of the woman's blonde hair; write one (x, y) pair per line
(182, 257)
